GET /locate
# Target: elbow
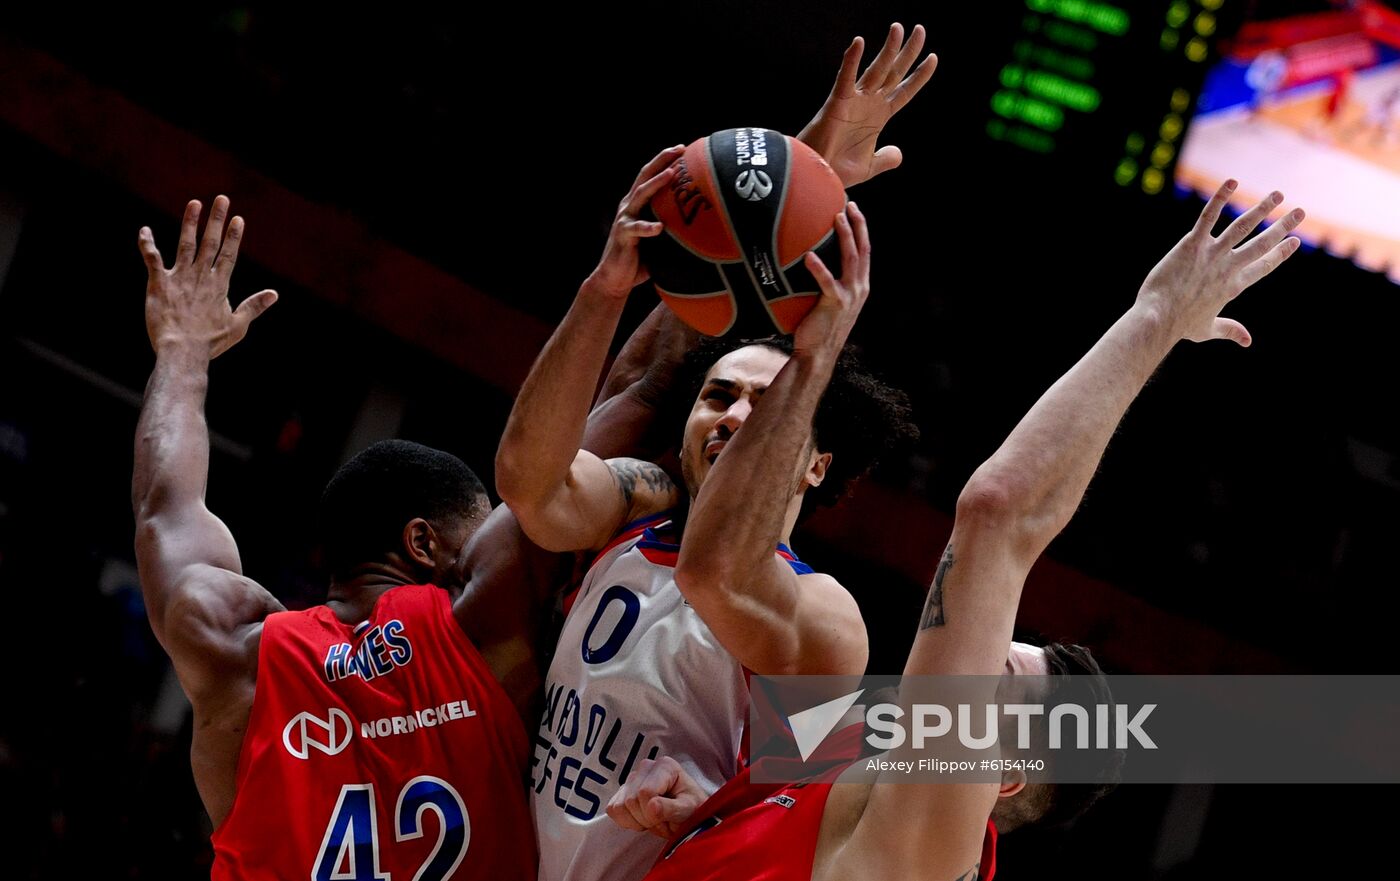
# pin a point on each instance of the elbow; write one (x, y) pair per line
(988, 500)
(700, 577)
(511, 484)
(997, 504)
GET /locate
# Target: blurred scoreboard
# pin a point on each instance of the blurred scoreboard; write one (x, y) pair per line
(1105, 88)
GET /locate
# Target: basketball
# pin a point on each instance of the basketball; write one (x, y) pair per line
(746, 205)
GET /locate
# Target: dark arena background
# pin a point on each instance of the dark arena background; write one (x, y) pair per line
(427, 189)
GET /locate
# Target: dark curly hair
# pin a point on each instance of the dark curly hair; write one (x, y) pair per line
(365, 506)
(859, 420)
(1075, 677)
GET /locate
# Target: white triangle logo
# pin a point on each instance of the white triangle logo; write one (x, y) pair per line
(810, 727)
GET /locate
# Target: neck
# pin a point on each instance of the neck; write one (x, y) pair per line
(790, 518)
(352, 597)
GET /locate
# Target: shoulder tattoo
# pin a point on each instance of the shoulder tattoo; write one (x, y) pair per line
(632, 473)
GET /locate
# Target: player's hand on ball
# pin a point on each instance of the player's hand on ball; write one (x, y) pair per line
(1204, 272)
(658, 798)
(188, 303)
(847, 127)
(830, 321)
(621, 270)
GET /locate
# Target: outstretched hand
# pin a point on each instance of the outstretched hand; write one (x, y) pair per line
(621, 268)
(847, 127)
(188, 304)
(1204, 272)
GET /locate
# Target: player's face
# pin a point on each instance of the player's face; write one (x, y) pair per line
(451, 553)
(726, 400)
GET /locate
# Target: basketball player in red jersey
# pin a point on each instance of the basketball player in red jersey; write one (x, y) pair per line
(1012, 507)
(395, 709)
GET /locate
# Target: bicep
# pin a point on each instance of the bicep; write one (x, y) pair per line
(172, 544)
(209, 626)
(785, 623)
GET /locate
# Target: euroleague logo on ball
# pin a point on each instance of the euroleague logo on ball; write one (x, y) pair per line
(753, 184)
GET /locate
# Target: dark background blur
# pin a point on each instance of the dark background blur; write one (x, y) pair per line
(426, 190)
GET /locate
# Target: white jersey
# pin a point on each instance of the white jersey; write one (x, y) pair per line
(636, 674)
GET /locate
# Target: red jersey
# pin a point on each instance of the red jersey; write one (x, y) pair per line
(765, 831)
(385, 751)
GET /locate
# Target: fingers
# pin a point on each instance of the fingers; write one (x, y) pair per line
(642, 228)
(861, 242)
(905, 59)
(1271, 260)
(825, 280)
(189, 229)
(1205, 224)
(850, 64)
(640, 804)
(642, 194)
(875, 74)
(886, 159)
(669, 811)
(228, 254)
(657, 163)
(254, 306)
(911, 86)
(1229, 329)
(1261, 244)
(1246, 222)
(147, 243)
(617, 810)
(213, 233)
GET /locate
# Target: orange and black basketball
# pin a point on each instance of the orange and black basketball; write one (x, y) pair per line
(747, 204)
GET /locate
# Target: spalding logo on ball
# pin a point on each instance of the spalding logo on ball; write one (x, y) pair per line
(746, 204)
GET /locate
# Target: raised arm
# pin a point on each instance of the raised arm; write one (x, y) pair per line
(771, 619)
(511, 582)
(199, 603)
(566, 498)
(1027, 491)
(847, 127)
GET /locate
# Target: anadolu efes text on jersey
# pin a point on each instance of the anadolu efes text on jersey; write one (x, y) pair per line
(381, 752)
(636, 674)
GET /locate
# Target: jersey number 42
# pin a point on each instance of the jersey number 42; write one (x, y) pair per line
(350, 850)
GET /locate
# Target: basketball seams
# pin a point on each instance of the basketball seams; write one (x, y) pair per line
(722, 194)
(777, 227)
(816, 246)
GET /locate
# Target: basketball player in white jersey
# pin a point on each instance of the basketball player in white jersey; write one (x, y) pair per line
(654, 650)
(1007, 514)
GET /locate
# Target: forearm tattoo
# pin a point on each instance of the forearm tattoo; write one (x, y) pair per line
(933, 607)
(630, 472)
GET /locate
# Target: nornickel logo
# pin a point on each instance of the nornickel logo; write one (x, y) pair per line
(753, 184)
(306, 731)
